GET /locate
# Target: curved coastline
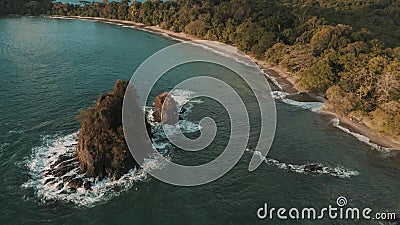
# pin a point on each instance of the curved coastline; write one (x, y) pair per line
(284, 80)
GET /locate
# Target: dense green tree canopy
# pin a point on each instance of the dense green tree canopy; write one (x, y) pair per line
(345, 50)
(336, 48)
(22, 7)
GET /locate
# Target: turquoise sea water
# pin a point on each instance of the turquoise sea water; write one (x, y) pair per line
(51, 68)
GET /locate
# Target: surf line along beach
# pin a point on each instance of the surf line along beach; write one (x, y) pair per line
(285, 81)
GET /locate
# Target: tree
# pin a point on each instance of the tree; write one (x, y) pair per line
(387, 118)
(265, 41)
(33, 7)
(388, 85)
(197, 28)
(340, 101)
(318, 77)
(320, 40)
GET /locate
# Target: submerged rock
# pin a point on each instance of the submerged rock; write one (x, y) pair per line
(62, 170)
(68, 178)
(87, 185)
(313, 168)
(75, 183)
(62, 159)
(49, 180)
(165, 109)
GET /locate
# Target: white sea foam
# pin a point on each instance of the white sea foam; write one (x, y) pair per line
(44, 156)
(338, 171)
(183, 125)
(129, 26)
(16, 131)
(3, 145)
(281, 95)
(225, 51)
(316, 107)
(184, 100)
(182, 97)
(313, 106)
(388, 151)
(273, 80)
(149, 115)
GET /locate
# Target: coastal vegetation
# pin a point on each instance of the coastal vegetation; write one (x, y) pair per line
(346, 51)
(25, 7)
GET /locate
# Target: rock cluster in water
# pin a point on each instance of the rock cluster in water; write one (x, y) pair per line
(101, 150)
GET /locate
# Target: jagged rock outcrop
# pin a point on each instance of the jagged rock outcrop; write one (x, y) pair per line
(165, 109)
(102, 150)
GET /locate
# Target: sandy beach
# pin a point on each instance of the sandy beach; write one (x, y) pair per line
(360, 128)
(286, 80)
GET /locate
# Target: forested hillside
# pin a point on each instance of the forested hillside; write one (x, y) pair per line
(345, 50)
(23, 7)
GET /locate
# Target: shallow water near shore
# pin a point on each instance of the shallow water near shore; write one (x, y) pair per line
(52, 68)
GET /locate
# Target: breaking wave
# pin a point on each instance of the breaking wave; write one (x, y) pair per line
(388, 151)
(51, 188)
(311, 168)
(184, 101)
(316, 107)
(312, 106)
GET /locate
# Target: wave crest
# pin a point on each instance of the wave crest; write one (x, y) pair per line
(311, 168)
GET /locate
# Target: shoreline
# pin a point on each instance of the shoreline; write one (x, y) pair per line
(355, 129)
(286, 80)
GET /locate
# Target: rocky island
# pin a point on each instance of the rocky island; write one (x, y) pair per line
(101, 150)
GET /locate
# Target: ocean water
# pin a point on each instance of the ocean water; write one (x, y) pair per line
(51, 68)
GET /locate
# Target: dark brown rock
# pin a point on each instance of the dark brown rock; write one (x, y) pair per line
(166, 111)
(313, 168)
(62, 170)
(50, 180)
(68, 178)
(60, 186)
(87, 185)
(61, 159)
(75, 183)
(102, 150)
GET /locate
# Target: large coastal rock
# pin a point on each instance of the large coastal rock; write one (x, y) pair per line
(102, 150)
(165, 109)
